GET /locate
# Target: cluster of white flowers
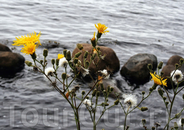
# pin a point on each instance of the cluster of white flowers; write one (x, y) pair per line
(177, 76)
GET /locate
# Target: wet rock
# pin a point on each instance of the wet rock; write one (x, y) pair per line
(135, 69)
(10, 63)
(169, 67)
(4, 48)
(110, 61)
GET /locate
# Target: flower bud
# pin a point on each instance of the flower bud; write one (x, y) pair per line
(83, 92)
(98, 48)
(63, 76)
(68, 56)
(153, 128)
(75, 61)
(164, 98)
(160, 65)
(87, 64)
(101, 87)
(94, 92)
(28, 63)
(41, 61)
(149, 66)
(108, 89)
(166, 103)
(79, 46)
(181, 61)
(78, 54)
(177, 115)
(143, 121)
(175, 125)
(177, 65)
(107, 99)
(85, 55)
(97, 93)
(57, 62)
(143, 92)
(116, 102)
(151, 89)
(144, 108)
(45, 52)
(64, 52)
(53, 61)
(161, 92)
(106, 104)
(87, 97)
(93, 42)
(104, 92)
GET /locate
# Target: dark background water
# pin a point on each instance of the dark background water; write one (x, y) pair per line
(136, 26)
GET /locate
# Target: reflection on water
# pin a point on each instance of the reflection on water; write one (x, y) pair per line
(135, 26)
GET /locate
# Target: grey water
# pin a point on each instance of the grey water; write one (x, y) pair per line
(135, 26)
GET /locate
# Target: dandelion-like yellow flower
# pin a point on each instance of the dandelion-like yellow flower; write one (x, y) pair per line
(101, 28)
(29, 48)
(60, 56)
(30, 38)
(158, 80)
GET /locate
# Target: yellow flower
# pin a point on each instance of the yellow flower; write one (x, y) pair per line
(60, 56)
(101, 28)
(158, 80)
(30, 38)
(29, 48)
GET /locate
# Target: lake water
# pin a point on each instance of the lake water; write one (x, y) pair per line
(135, 26)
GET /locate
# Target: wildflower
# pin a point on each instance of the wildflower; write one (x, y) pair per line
(85, 72)
(94, 51)
(49, 71)
(93, 40)
(29, 48)
(130, 100)
(87, 102)
(101, 28)
(60, 56)
(105, 74)
(67, 94)
(29, 39)
(158, 80)
(177, 76)
(63, 62)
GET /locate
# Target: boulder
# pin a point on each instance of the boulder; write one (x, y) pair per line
(110, 62)
(135, 69)
(4, 48)
(10, 63)
(169, 67)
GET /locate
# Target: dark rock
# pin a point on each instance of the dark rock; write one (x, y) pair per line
(4, 48)
(135, 69)
(110, 61)
(10, 63)
(169, 67)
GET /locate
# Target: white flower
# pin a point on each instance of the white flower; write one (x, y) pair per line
(49, 71)
(85, 72)
(105, 74)
(63, 62)
(87, 102)
(177, 76)
(130, 100)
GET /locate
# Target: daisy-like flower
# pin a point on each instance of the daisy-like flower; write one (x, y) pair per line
(29, 48)
(60, 56)
(158, 80)
(177, 76)
(63, 62)
(29, 39)
(87, 102)
(130, 100)
(49, 71)
(101, 28)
